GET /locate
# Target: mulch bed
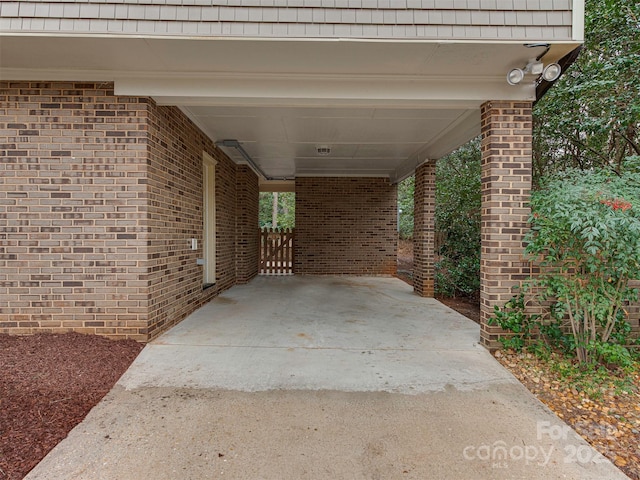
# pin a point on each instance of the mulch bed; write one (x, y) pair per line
(48, 385)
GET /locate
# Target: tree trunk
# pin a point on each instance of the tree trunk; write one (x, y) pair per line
(274, 214)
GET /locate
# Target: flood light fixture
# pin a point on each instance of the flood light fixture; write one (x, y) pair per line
(534, 66)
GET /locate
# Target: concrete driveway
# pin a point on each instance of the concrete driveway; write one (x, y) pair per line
(321, 378)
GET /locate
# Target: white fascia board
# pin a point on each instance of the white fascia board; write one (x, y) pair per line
(50, 74)
(296, 89)
(313, 102)
(577, 25)
(349, 173)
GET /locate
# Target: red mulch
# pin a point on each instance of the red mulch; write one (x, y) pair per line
(48, 385)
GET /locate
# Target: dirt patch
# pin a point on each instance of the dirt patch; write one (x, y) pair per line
(405, 258)
(48, 385)
(469, 307)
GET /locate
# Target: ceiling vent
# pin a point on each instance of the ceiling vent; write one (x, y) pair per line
(323, 150)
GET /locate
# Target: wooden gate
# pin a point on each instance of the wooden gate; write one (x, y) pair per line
(276, 251)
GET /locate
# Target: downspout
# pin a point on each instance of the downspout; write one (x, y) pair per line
(231, 143)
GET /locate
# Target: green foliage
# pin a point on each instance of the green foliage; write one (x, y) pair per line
(590, 378)
(286, 210)
(585, 234)
(591, 116)
(612, 354)
(405, 208)
(514, 318)
(585, 237)
(458, 221)
(458, 277)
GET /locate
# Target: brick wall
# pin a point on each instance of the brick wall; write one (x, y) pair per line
(175, 181)
(247, 235)
(99, 198)
(72, 250)
(424, 229)
(346, 226)
(506, 183)
(506, 186)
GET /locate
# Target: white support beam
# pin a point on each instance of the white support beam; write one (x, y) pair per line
(281, 90)
(277, 185)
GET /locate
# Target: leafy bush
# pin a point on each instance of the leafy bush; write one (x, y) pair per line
(458, 277)
(405, 208)
(514, 318)
(585, 237)
(590, 118)
(458, 221)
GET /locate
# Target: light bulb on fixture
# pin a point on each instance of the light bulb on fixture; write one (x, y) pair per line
(551, 72)
(515, 76)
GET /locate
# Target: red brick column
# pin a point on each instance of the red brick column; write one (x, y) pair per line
(506, 186)
(424, 199)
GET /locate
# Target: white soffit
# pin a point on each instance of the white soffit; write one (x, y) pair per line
(383, 107)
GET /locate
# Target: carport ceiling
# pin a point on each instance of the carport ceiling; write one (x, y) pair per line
(381, 107)
(285, 141)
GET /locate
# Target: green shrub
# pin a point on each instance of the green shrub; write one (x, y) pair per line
(514, 318)
(458, 277)
(458, 222)
(585, 237)
(405, 208)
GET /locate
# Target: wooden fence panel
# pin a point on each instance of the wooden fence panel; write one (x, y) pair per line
(276, 251)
